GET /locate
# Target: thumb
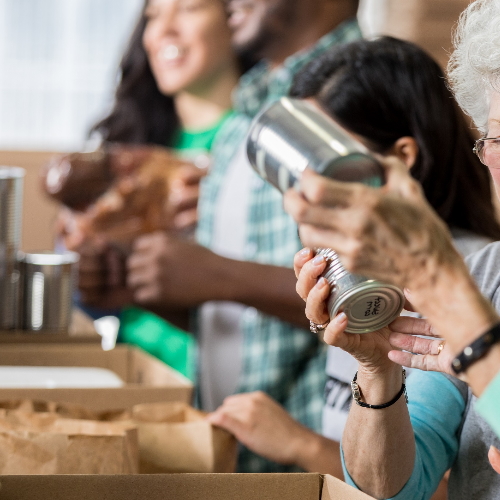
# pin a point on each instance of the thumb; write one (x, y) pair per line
(494, 458)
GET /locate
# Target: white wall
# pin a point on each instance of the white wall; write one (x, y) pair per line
(58, 64)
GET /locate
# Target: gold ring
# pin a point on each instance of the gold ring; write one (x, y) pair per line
(441, 346)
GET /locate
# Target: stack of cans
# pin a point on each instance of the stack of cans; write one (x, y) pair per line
(11, 199)
(36, 289)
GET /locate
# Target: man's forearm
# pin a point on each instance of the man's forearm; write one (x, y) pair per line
(271, 289)
(379, 445)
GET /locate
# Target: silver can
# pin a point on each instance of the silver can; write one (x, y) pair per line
(11, 202)
(368, 304)
(291, 135)
(48, 284)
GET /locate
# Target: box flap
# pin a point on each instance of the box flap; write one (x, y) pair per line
(163, 486)
(335, 489)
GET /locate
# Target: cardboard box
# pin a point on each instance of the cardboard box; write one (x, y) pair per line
(81, 330)
(178, 487)
(147, 379)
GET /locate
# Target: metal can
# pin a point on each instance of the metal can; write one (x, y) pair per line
(368, 304)
(291, 135)
(11, 202)
(48, 285)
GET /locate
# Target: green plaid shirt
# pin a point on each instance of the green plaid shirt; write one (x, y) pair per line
(286, 362)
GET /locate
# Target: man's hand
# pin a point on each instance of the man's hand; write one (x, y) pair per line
(167, 271)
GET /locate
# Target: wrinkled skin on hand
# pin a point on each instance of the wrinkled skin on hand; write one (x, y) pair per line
(391, 233)
(377, 348)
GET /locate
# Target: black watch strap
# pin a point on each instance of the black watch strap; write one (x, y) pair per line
(476, 350)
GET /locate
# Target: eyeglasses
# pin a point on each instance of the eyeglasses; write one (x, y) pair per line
(488, 151)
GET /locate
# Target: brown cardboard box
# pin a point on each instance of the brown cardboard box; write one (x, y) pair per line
(39, 211)
(147, 379)
(178, 487)
(81, 330)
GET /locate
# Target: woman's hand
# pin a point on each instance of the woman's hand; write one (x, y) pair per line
(370, 349)
(390, 233)
(424, 354)
(182, 203)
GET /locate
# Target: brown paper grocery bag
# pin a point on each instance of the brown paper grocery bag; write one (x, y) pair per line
(174, 437)
(46, 444)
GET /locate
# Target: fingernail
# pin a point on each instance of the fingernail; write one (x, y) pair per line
(340, 318)
(304, 252)
(319, 259)
(322, 283)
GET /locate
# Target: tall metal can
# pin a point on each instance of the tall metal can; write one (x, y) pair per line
(48, 284)
(11, 200)
(291, 135)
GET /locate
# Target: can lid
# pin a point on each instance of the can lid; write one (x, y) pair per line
(369, 306)
(8, 172)
(50, 258)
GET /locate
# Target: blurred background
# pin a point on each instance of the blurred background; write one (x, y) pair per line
(59, 59)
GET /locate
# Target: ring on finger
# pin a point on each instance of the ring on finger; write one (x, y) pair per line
(441, 346)
(315, 328)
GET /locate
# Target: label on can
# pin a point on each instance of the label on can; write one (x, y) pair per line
(368, 307)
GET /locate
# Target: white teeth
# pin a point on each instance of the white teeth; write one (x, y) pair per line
(170, 52)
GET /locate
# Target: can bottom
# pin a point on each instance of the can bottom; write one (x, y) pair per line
(369, 306)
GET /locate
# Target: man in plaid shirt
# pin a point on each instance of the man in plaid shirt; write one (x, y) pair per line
(280, 358)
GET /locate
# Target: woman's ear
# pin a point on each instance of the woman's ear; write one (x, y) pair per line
(406, 149)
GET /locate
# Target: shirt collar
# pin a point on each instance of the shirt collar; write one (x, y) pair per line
(262, 85)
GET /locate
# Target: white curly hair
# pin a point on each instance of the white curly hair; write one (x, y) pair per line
(474, 67)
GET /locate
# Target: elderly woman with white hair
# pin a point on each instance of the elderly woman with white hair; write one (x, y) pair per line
(395, 447)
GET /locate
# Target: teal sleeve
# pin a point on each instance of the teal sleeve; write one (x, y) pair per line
(488, 405)
(436, 410)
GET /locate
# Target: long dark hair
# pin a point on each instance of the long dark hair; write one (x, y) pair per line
(141, 114)
(385, 89)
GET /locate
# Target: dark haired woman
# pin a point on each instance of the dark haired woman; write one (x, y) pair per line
(175, 90)
(393, 97)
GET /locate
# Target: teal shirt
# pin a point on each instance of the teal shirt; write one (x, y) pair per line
(488, 405)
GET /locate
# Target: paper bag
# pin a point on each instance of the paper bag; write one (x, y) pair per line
(174, 437)
(44, 443)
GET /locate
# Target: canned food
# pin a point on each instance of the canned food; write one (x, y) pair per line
(9, 294)
(291, 135)
(48, 286)
(11, 203)
(368, 304)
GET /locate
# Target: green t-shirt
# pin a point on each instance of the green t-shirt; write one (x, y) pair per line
(142, 328)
